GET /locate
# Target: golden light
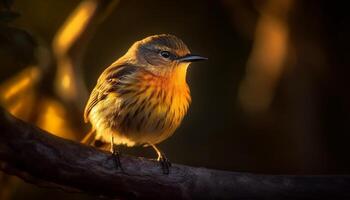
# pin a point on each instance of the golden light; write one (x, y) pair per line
(18, 93)
(68, 82)
(22, 106)
(74, 26)
(65, 80)
(24, 80)
(53, 119)
(266, 61)
(20, 96)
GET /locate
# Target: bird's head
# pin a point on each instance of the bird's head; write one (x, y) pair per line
(161, 54)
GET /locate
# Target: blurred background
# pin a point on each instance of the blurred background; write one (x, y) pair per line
(273, 97)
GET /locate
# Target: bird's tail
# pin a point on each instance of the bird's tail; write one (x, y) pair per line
(90, 137)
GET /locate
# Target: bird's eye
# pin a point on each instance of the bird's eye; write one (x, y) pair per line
(165, 54)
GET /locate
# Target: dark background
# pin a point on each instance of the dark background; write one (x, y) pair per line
(303, 129)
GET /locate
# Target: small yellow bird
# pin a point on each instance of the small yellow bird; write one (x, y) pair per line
(142, 97)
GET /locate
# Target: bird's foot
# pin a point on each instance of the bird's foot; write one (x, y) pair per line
(165, 163)
(116, 157)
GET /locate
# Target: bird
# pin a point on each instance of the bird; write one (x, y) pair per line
(142, 97)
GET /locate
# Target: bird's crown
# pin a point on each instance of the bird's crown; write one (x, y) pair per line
(166, 42)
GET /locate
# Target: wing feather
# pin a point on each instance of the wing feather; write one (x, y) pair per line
(107, 82)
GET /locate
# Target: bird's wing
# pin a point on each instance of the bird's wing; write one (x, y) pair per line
(107, 82)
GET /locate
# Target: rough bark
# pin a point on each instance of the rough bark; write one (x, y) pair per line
(46, 160)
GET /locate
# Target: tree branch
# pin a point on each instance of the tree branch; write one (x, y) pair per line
(46, 160)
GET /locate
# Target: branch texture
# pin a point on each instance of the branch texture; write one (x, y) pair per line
(46, 160)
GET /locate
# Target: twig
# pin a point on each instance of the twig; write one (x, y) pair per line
(46, 160)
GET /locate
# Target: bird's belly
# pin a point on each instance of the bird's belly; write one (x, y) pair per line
(146, 121)
(149, 126)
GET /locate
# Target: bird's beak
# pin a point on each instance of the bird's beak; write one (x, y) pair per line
(191, 58)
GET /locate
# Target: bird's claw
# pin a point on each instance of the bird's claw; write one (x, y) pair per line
(116, 157)
(165, 164)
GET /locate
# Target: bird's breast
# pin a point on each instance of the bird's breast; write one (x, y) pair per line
(152, 109)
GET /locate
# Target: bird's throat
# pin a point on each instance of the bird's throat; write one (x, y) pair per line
(177, 77)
